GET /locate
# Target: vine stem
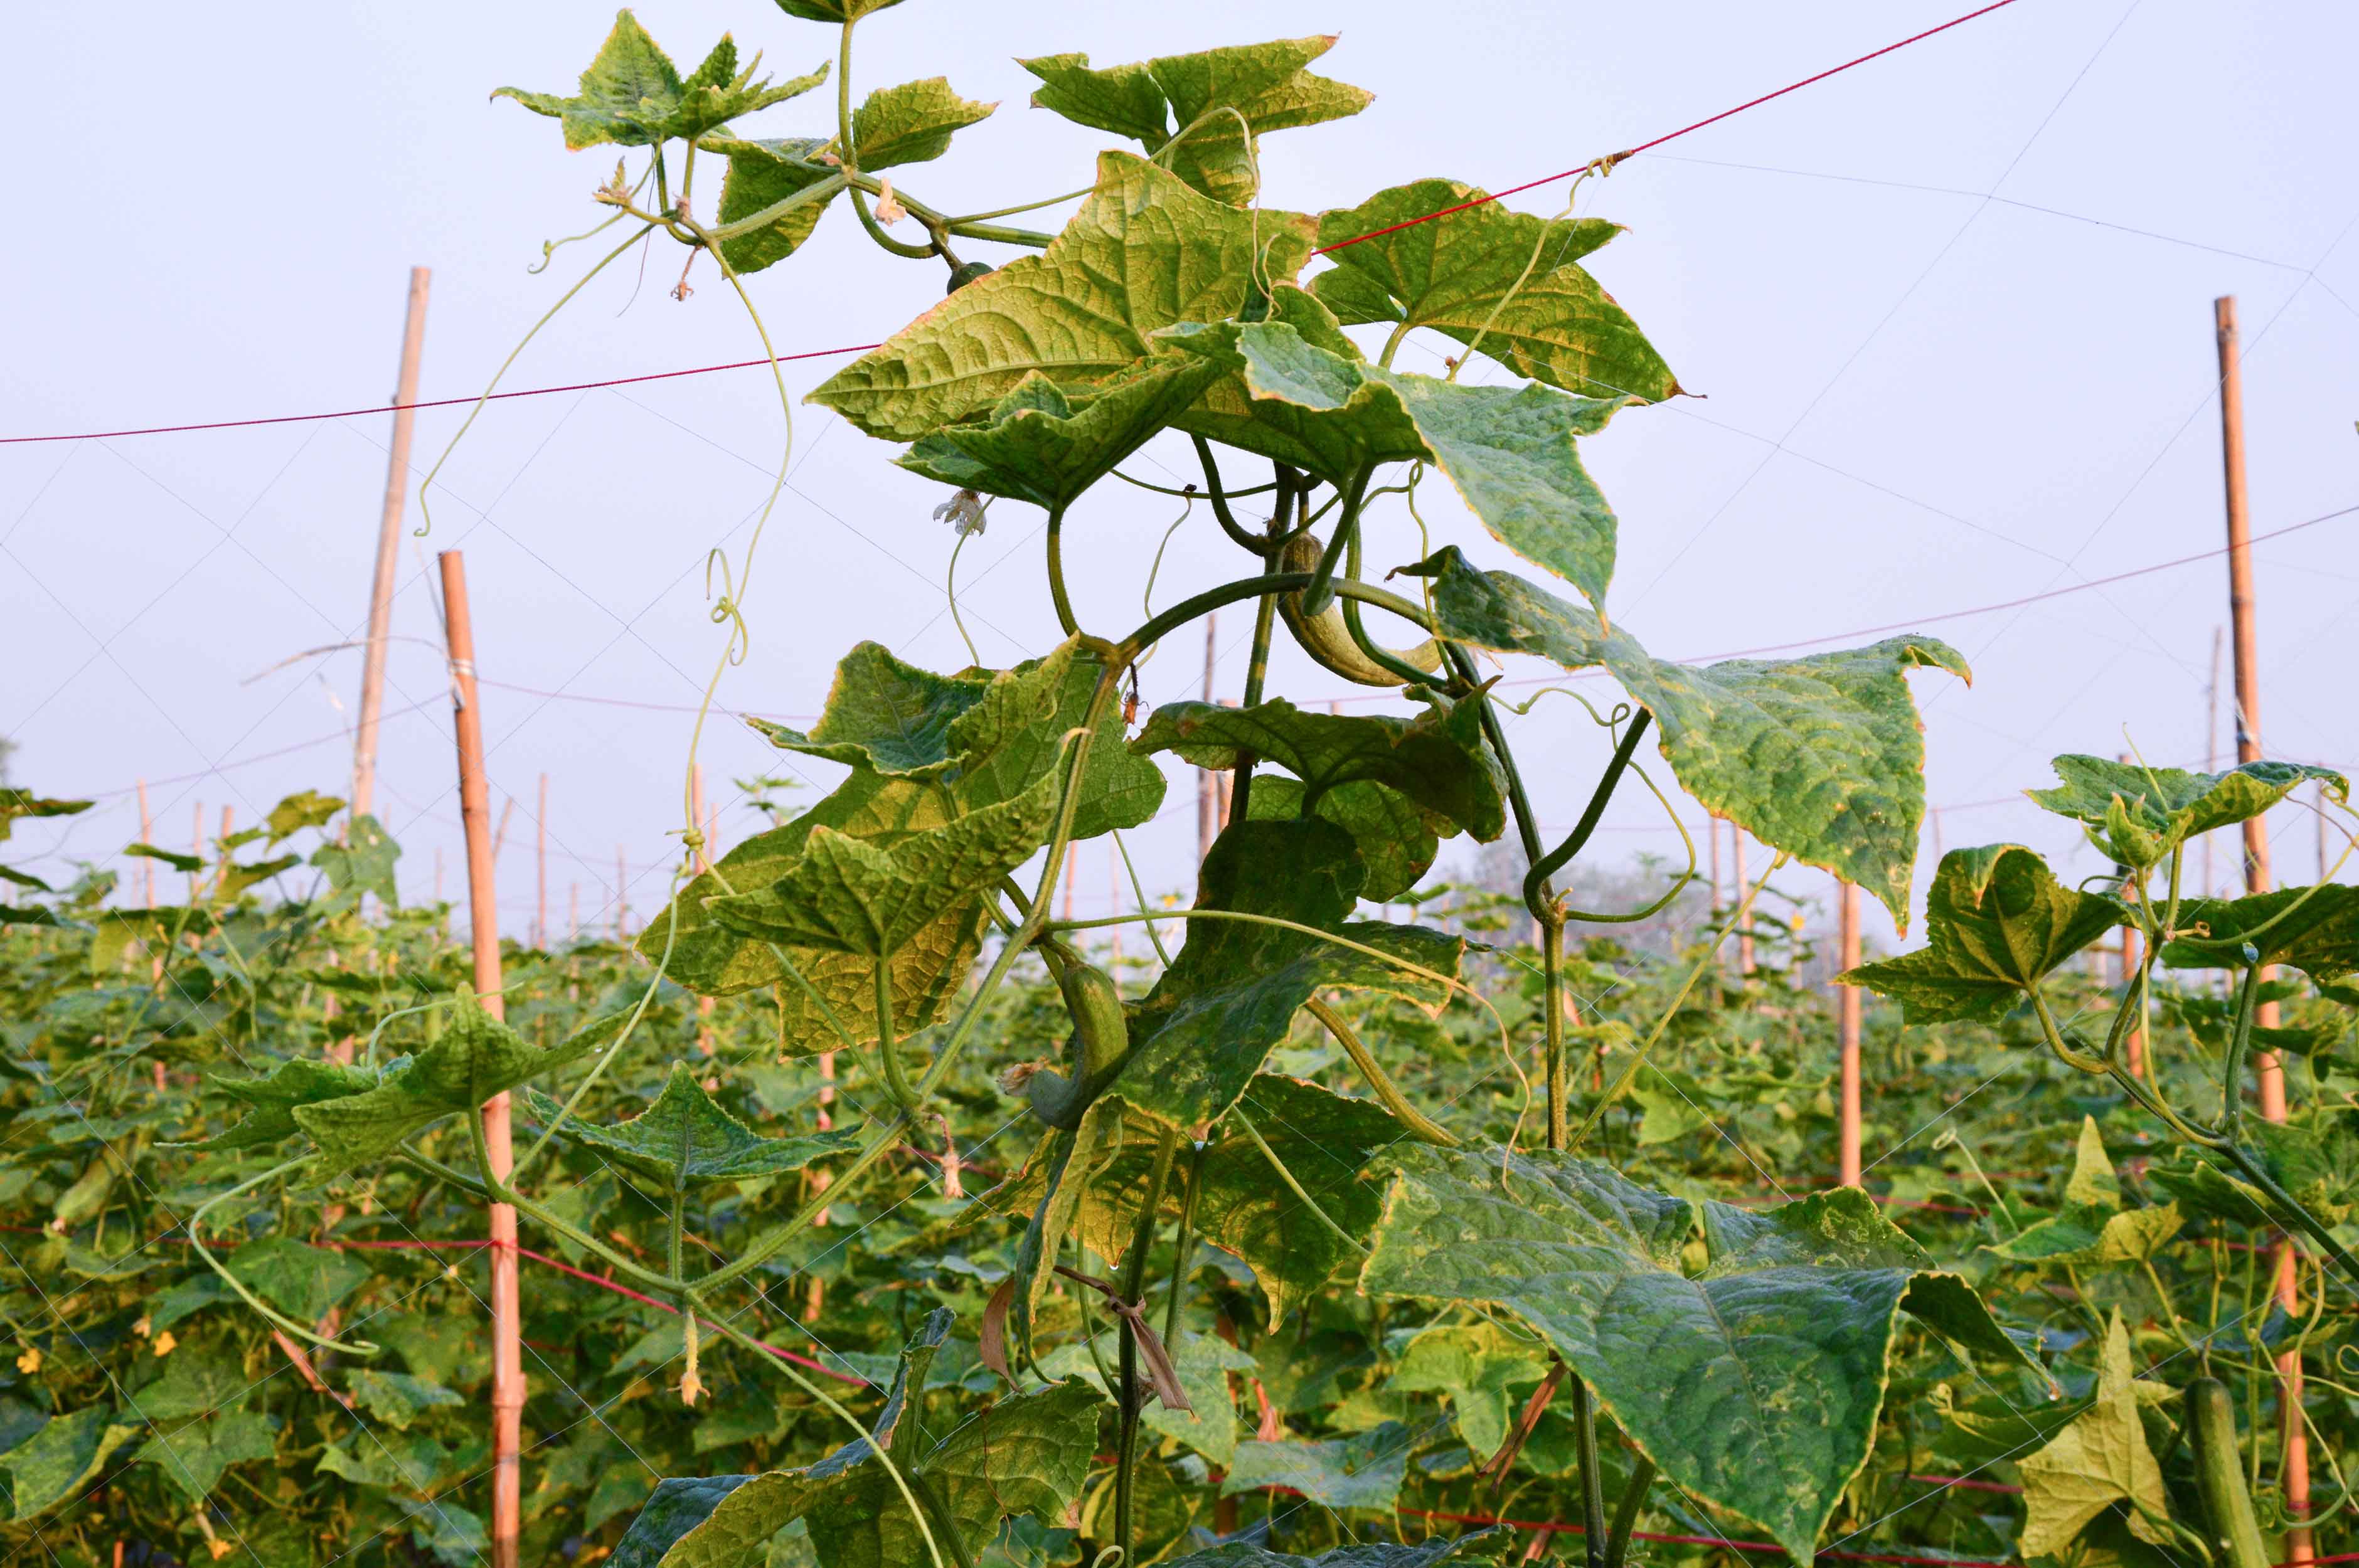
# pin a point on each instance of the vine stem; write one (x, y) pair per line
(426, 486)
(1134, 1281)
(1387, 1092)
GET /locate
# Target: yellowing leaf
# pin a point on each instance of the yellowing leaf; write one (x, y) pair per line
(2099, 1460)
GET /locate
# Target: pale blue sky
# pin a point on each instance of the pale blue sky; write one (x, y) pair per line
(1951, 314)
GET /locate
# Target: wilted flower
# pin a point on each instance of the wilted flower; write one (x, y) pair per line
(888, 206)
(962, 512)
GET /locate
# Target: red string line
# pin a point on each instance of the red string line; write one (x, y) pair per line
(864, 348)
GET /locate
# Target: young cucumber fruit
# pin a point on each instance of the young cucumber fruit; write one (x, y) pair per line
(1100, 1037)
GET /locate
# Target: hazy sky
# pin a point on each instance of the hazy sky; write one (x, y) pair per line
(1949, 316)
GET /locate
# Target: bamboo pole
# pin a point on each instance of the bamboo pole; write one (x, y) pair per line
(483, 908)
(147, 836)
(1847, 954)
(388, 550)
(1745, 902)
(2245, 638)
(220, 871)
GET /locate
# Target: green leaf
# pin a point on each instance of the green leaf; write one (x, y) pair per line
(397, 1398)
(2100, 1459)
(634, 96)
(196, 1455)
(713, 958)
(762, 172)
(309, 808)
(476, 1058)
(1756, 1385)
(1995, 922)
(2087, 1233)
(16, 803)
(2094, 1179)
(685, 1137)
(363, 863)
(195, 1382)
(302, 1080)
(1041, 446)
(1821, 757)
(1436, 759)
(1397, 840)
(26, 915)
(1026, 1457)
(238, 878)
(847, 894)
(2317, 1164)
(2137, 815)
(1151, 103)
(27, 879)
(1230, 994)
(178, 862)
(1461, 274)
(2315, 930)
(1142, 252)
(1203, 1362)
(678, 1505)
(1375, 1554)
(1361, 1471)
(1479, 1367)
(58, 1459)
(912, 123)
(833, 10)
(300, 1279)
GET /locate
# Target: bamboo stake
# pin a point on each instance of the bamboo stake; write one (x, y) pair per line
(388, 550)
(1847, 954)
(147, 836)
(221, 871)
(483, 906)
(1745, 902)
(2244, 636)
(573, 912)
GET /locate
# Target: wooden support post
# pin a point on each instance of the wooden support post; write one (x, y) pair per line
(1743, 893)
(220, 871)
(573, 912)
(2245, 638)
(2211, 752)
(1711, 825)
(483, 914)
(388, 550)
(621, 895)
(1847, 954)
(147, 836)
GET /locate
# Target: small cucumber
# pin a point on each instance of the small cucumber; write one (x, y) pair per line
(1100, 1039)
(2220, 1474)
(1325, 637)
(967, 274)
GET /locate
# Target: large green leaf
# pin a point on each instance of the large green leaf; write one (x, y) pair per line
(2137, 815)
(301, 1281)
(1755, 1384)
(1143, 252)
(196, 1454)
(1232, 992)
(1026, 1457)
(2092, 1227)
(762, 172)
(2099, 1460)
(713, 958)
(301, 1081)
(984, 735)
(476, 1057)
(1462, 274)
(57, 1459)
(1510, 451)
(363, 863)
(1821, 757)
(1995, 921)
(1397, 840)
(16, 803)
(1041, 445)
(685, 1137)
(848, 894)
(1203, 1363)
(1361, 1471)
(1437, 759)
(634, 96)
(2314, 929)
(912, 123)
(1265, 85)
(306, 808)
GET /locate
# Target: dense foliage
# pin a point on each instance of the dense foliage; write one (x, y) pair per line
(876, 1216)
